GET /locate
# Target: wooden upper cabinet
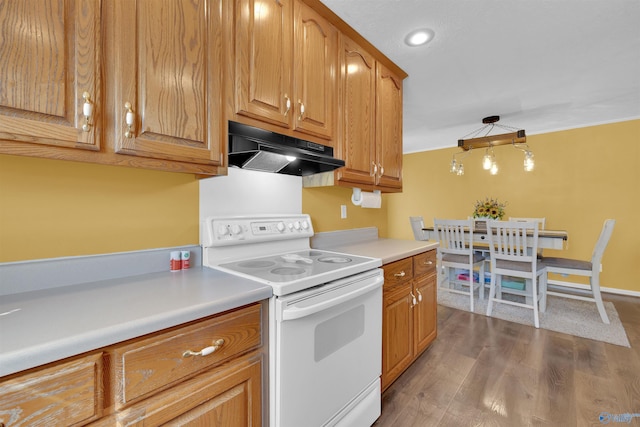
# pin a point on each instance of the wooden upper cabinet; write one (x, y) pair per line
(168, 68)
(285, 57)
(388, 128)
(50, 53)
(315, 72)
(263, 60)
(356, 140)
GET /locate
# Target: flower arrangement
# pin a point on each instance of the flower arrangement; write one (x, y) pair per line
(489, 208)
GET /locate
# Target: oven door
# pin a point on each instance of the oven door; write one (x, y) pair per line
(326, 359)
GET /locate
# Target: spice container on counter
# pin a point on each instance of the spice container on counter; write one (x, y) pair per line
(176, 261)
(185, 257)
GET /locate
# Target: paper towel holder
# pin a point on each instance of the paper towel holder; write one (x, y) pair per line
(356, 197)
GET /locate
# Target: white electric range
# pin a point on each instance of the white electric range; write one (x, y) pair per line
(325, 319)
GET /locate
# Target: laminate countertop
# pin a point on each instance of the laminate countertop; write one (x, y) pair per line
(365, 242)
(43, 326)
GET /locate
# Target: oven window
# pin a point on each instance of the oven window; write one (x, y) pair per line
(333, 334)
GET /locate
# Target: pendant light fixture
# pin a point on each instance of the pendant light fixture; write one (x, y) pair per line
(483, 138)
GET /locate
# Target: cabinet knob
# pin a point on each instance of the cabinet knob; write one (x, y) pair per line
(87, 111)
(288, 104)
(129, 119)
(301, 110)
(205, 351)
(401, 274)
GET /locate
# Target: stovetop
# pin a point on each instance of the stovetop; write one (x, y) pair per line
(275, 250)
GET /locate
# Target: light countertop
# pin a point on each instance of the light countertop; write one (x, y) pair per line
(365, 242)
(46, 325)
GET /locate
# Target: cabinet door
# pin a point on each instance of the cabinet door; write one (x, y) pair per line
(356, 140)
(263, 52)
(168, 72)
(389, 128)
(315, 68)
(425, 312)
(397, 332)
(49, 51)
(230, 397)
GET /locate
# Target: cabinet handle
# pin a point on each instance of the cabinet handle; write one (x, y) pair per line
(413, 299)
(87, 112)
(301, 110)
(375, 169)
(419, 295)
(401, 274)
(427, 263)
(205, 351)
(129, 120)
(381, 170)
(288, 104)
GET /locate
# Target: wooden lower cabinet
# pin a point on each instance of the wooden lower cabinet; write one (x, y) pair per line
(409, 313)
(150, 381)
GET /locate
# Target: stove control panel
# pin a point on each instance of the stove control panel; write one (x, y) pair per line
(222, 231)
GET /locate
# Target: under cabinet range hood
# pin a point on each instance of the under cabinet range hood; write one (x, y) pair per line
(258, 149)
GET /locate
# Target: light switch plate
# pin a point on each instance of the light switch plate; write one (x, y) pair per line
(343, 211)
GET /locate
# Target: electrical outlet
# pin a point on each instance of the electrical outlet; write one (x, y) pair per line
(343, 211)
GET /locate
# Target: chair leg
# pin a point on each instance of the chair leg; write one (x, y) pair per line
(492, 291)
(471, 289)
(534, 296)
(543, 292)
(481, 281)
(595, 289)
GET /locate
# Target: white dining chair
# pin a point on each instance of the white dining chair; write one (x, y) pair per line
(575, 267)
(540, 220)
(417, 224)
(456, 253)
(513, 246)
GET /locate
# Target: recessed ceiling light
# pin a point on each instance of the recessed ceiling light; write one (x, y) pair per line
(419, 37)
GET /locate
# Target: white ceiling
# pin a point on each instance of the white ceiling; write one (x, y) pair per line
(541, 65)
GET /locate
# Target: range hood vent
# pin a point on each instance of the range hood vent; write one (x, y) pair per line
(258, 149)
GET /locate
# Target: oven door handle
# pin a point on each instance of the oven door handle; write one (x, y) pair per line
(297, 313)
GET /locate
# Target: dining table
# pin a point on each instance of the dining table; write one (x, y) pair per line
(547, 239)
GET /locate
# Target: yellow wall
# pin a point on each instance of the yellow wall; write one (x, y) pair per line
(323, 204)
(53, 208)
(582, 177)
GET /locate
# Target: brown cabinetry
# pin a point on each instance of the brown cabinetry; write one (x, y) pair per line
(370, 140)
(50, 55)
(409, 312)
(208, 372)
(67, 394)
(285, 57)
(161, 62)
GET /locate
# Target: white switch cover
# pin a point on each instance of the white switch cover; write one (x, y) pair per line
(343, 211)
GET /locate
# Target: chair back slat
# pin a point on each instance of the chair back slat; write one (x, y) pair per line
(513, 240)
(603, 241)
(451, 234)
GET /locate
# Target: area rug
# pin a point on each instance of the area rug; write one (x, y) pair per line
(574, 317)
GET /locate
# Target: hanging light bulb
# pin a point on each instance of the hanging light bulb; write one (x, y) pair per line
(454, 166)
(528, 161)
(487, 160)
(460, 169)
(494, 168)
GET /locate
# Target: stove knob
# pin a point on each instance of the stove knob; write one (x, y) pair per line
(236, 229)
(223, 230)
(296, 225)
(290, 225)
(280, 226)
(305, 225)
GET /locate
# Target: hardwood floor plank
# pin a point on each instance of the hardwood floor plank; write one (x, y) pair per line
(484, 371)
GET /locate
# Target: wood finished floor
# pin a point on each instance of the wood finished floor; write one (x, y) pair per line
(483, 371)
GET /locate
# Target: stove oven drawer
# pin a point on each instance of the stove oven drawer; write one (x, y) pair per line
(153, 364)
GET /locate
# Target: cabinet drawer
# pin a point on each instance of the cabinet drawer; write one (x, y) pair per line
(398, 272)
(424, 263)
(155, 363)
(67, 394)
